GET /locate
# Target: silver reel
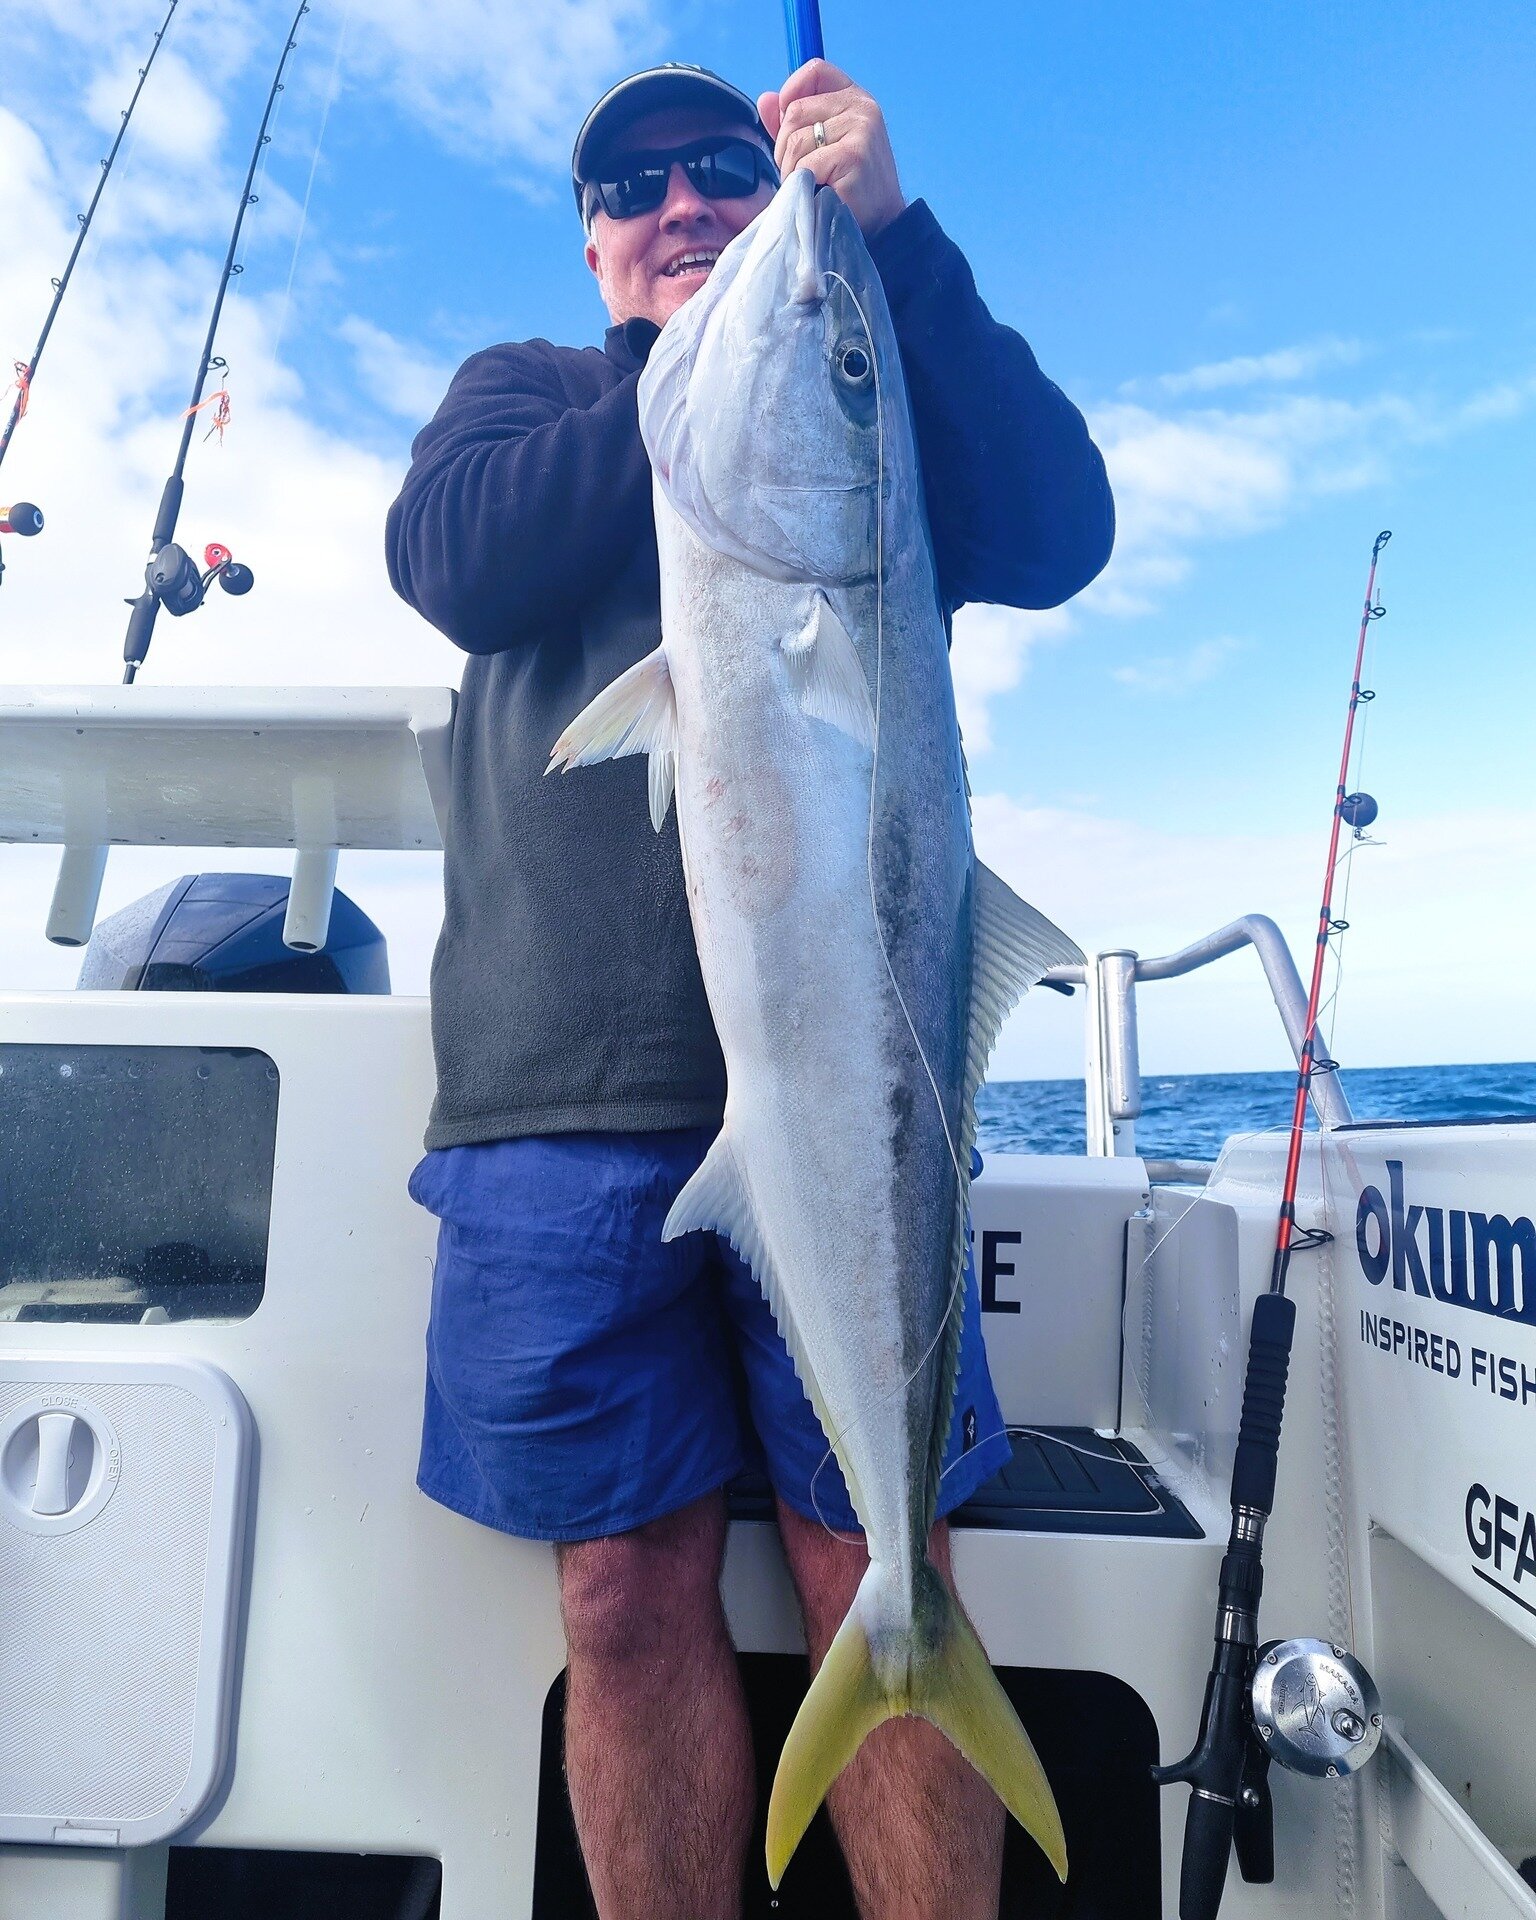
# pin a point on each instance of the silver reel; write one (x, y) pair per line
(1315, 1708)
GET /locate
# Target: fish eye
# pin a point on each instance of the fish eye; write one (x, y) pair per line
(854, 367)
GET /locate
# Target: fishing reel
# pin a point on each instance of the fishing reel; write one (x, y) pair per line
(22, 519)
(1305, 1705)
(174, 578)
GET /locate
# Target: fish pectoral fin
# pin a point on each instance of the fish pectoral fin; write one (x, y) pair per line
(827, 674)
(661, 778)
(949, 1681)
(637, 713)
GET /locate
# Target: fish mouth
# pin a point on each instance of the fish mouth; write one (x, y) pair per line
(835, 241)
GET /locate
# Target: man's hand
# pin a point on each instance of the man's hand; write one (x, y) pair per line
(856, 156)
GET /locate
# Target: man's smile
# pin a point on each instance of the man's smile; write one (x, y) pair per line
(696, 263)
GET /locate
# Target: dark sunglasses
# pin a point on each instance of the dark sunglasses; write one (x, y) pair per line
(720, 169)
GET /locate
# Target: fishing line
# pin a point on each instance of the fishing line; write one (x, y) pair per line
(957, 1287)
(309, 187)
(1360, 840)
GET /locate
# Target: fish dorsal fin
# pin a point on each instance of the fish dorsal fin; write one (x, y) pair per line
(828, 675)
(716, 1200)
(1011, 947)
(637, 713)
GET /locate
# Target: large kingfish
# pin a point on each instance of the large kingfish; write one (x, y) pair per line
(858, 959)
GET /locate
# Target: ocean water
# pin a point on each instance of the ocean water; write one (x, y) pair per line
(1188, 1116)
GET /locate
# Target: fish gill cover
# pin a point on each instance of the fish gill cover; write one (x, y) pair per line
(774, 397)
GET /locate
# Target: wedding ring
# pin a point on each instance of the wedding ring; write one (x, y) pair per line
(819, 133)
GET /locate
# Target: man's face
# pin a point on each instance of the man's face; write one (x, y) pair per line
(640, 262)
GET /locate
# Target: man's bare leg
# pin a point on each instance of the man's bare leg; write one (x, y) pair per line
(657, 1750)
(921, 1831)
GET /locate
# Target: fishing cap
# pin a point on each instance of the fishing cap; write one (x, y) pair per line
(671, 85)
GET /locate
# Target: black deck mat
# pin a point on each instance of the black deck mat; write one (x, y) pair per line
(1073, 1480)
(1060, 1480)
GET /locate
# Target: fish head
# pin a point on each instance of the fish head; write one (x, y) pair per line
(772, 405)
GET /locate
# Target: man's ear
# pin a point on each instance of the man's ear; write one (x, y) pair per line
(589, 253)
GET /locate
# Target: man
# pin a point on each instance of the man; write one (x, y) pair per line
(587, 1384)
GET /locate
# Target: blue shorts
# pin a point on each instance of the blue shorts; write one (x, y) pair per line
(584, 1377)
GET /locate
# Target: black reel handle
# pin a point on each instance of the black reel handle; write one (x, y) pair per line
(1219, 1767)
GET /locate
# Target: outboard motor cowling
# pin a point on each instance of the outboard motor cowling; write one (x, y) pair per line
(223, 933)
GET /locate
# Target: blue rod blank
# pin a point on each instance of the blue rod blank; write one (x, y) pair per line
(802, 25)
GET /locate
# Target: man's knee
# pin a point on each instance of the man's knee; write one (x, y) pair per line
(647, 1592)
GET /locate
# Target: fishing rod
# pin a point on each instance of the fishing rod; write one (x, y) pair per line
(802, 28)
(172, 578)
(1243, 1721)
(23, 518)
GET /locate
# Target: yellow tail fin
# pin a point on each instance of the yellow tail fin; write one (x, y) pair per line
(949, 1681)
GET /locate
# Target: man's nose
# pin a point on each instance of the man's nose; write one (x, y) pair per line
(684, 204)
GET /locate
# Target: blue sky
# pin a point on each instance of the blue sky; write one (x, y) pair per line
(1281, 256)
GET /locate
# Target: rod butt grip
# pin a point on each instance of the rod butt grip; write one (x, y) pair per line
(1207, 1850)
(1258, 1435)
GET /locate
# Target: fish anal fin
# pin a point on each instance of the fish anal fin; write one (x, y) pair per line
(827, 674)
(636, 713)
(716, 1200)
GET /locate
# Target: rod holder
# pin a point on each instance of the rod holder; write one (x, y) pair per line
(308, 919)
(76, 892)
(1113, 1076)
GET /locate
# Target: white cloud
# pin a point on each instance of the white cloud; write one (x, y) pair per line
(989, 657)
(492, 80)
(1259, 369)
(1176, 673)
(1405, 998)
(1182, 478)
(304, 506)
(178, 118)
(489, 80)
(400, 378)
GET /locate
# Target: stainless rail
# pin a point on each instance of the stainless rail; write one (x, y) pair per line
(1114, 1068)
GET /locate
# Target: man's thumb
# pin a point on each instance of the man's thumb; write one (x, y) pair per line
(770, 113)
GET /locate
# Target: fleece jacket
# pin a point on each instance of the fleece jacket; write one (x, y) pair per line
(566, 994)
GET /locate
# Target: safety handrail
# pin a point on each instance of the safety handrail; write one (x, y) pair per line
(1112, 979)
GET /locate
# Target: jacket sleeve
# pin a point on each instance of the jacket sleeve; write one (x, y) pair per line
(1018, 500)
(518, 504)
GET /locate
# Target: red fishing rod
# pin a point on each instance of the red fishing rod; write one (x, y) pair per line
(24, 518)
(1228, 1771)
(1356, 810)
